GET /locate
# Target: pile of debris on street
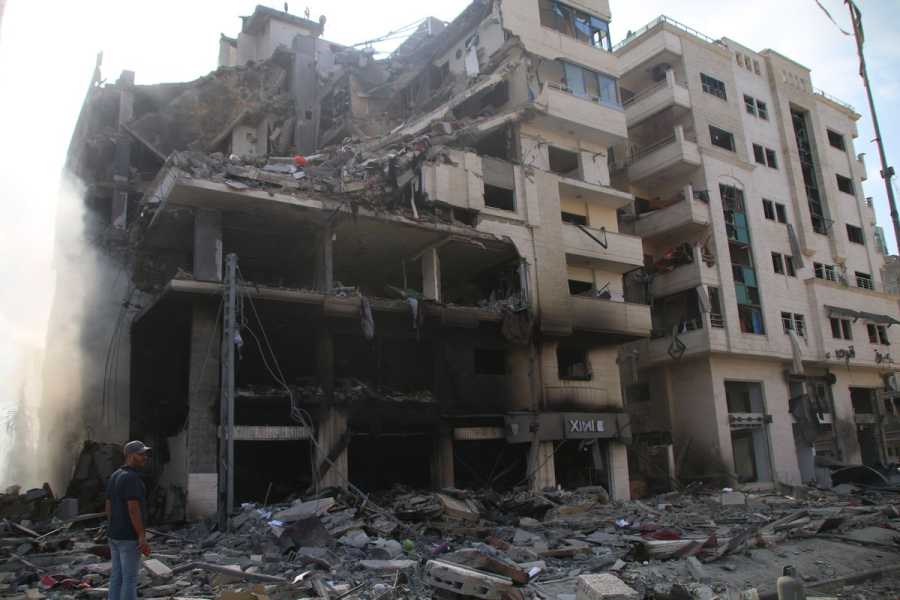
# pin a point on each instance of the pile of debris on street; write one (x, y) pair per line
(696, 543)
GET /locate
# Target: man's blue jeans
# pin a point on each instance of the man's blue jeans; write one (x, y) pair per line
(126, 560)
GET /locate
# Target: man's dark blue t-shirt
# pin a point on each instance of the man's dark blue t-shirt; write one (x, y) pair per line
(124, 485)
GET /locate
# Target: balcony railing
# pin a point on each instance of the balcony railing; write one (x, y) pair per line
(837, 101)
(657, 21)
(650, 91)
(596, 99)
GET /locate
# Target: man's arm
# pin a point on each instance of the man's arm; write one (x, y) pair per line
(134, 513)
(108, 510)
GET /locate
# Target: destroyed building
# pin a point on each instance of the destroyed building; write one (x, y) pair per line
(771, 351)
(443, 258)
(429, 265)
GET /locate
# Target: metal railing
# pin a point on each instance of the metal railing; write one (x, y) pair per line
(837, 101)
(663, 19)
(561, 87)
(650, 91)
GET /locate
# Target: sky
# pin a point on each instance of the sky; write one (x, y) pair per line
(48, 49)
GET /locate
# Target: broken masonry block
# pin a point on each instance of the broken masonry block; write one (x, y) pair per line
(603, 587)
(466, 581)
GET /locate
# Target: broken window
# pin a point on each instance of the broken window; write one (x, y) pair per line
(713, 86)
(862, 401)
(499, 184)
(574, 219)
(489, 361)
(845, 184)
(592, 85)
(575, 23)
(836, 140)
(564, 162)
(855, 234)
(498, 144)
(721, 138)
(499, 198)
(577, 288)
(572, 362)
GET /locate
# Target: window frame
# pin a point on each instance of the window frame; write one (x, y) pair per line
(768, 209)
(729, 136)
(575, 23)
(712, 86)
(841, 329)
(855, 232)
(750, 105)
(762, 110)
(867, 277)
(781, 213)
(824, 271)
(835, 136)
(778, 263)
(771, 158)
(759, 154)
(789, 267)
(845, 184)
(878, 334)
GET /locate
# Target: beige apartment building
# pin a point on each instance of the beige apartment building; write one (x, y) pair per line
(772, 348)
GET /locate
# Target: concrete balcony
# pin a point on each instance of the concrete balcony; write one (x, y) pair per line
(656, 41)
(608, 316)
(697, 342)
(594, 121)
(677, 221)
(609, 250)
(663, 161)
(683, 278)
(653, 100)
(598, 195)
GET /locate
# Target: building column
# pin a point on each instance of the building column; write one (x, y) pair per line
(203, 396)
(122, 160)
(541, 466)
(442, 470)
(207, 245)
(620, 483)
(333, 436)
(431, 275)
(333, 439)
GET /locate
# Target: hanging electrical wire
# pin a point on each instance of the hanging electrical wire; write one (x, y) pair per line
(828, 14)
(297, 413)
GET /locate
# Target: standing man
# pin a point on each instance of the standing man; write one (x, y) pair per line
(126, 509)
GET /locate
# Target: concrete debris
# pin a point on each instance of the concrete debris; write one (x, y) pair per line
(417, 545)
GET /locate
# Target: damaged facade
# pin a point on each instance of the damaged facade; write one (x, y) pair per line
(430, 269)
(771, 353)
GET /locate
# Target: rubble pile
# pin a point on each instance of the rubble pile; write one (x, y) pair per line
(457, 543)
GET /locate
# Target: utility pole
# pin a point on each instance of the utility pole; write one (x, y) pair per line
(226, 403)
(887, 172)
